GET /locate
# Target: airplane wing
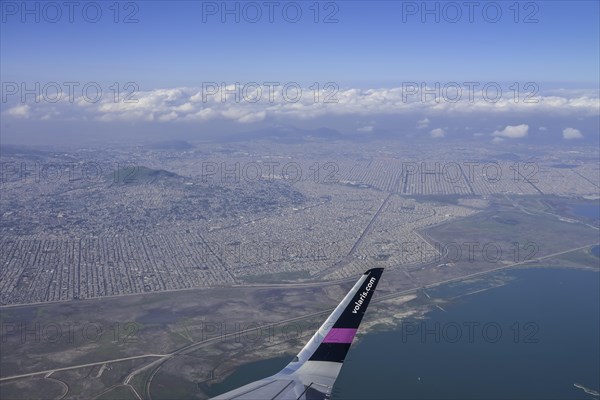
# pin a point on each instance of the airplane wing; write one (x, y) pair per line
(312, 373)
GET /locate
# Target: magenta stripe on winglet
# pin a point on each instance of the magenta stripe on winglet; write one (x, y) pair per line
(340, 335)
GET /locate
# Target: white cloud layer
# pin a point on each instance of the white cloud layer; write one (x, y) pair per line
(423, 123)
(438, 133)
(571, 133)
(366, 129)
(513, 132)
(20, 111)
(258, 104)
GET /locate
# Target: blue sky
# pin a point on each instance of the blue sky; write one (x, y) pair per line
(368, 50)
(369, 46)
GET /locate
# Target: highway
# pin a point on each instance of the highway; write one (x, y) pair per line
(50, 371)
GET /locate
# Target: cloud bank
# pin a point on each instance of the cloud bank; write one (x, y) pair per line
(512, 132)
(255, 104)
(571, 133)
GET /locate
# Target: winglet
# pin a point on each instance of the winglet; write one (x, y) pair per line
(314, 370)
(335, 336)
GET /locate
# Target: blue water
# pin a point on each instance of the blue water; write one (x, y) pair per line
(554, 345)
(549, 340)
(587, 210)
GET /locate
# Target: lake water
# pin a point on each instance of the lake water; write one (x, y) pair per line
(549, 322)
(587, 210)
(533, 338)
